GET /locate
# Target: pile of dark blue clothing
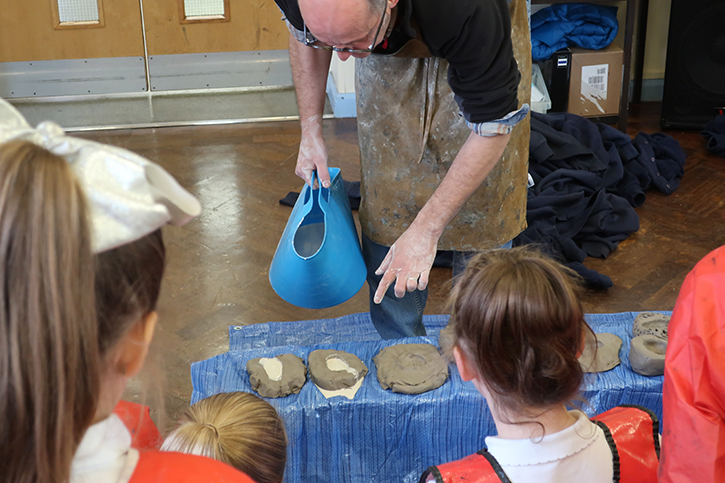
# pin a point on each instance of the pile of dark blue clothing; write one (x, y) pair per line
(714, 133)
(588, 178)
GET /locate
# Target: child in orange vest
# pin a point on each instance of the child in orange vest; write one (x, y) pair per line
(81, 262)
(517, 330)
(693, 398)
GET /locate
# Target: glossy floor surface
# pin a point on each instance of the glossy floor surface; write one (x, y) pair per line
(217, 264)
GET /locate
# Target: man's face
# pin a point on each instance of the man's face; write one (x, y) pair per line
(344, 24)
(363, 43)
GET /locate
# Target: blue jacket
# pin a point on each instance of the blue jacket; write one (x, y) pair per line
(559, 26)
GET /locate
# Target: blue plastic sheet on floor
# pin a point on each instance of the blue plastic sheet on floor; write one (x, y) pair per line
(380, 436)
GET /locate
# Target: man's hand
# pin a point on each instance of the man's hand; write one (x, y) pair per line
(411, 256)
(409, 261)
(309, 71)
(312, 157)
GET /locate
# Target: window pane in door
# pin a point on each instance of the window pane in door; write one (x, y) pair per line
(78, 11)
(204, 8)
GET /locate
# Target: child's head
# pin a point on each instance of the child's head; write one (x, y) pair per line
(52, 327)
(81, 260)
(128, 283)
(517, 319)
(127, 287)
(49, 374)
(237, 428)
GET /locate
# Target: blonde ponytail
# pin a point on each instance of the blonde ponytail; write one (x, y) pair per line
(237, 428)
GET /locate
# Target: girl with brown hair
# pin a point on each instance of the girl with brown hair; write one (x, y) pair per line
(517, 329)
(81, 262)
(237, 428)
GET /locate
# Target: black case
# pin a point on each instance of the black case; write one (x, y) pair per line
(557, 72)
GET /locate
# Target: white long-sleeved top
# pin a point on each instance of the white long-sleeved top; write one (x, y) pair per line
(105, 454)
(577, 453)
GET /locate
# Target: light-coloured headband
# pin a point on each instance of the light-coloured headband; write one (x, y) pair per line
(129, 196)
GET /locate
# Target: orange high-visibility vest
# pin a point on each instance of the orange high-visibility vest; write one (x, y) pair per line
(632, 434)
(137, 419)
(167, 467)
(693, 395)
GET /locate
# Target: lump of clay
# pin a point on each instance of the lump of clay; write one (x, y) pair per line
(601, 353)
(647, 355)
(651, 323)
(334, 370)
(446, 338)
(277, 376)
(411, 368)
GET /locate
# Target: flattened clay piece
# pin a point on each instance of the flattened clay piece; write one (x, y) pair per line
(647, 355)
(445, 339)
(277, 376)
(348, 392)
(334, 370)
(600, 354)
(651, 323)
(411, 368)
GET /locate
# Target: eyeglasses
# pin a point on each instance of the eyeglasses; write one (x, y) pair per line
(311, 41)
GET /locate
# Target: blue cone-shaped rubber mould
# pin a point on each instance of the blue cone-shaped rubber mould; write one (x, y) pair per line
(318, 262)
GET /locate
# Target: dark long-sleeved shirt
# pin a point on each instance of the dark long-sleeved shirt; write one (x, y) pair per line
(474, 36)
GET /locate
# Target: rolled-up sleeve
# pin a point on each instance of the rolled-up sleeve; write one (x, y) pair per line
(299, 35)
(500, 126)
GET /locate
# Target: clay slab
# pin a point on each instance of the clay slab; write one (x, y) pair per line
(333, 370)
(445, 339)
(277, 376)
(348, 392)
(600, 354)
(411, 368)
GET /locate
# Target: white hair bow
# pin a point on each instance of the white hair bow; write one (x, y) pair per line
(129, 196)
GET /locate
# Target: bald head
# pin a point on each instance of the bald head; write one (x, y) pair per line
(342, 22)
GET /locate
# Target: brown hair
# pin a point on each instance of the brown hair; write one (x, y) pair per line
(237, 428)
(128, 283)
(517, 315)
(61, 310)
(49, 371)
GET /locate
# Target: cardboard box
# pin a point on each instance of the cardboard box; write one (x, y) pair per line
(596, 81)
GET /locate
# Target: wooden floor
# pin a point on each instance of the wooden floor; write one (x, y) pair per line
(217, 264)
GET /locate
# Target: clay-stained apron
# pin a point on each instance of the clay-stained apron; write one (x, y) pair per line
(410, 131)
